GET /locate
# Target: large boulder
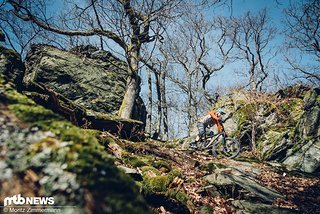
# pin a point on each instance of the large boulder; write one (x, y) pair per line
(286, 124)
(91, 78)
(11, 66)
(227, 179)
(305, 153)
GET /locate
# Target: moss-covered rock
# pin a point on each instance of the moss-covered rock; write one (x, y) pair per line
(65, 161)
(2, 36)
(11, 66)
(134, 161)
(157, 182)
(304, 154)
(274, 118)
(157, 185)
(162, 165)
(91, 78)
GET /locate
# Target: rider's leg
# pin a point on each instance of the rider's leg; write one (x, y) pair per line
(201, 130)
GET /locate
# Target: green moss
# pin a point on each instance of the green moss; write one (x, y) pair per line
(76, 134)
(95, 169)
(13, 97)
(292, 107)
(160, 184)
(240, 102)
(32, 113)
(175, 173)
(210, 167)
(172, 145)
(162, 164)
(307, 96)
(146, 169)
(318, 100)
(273, 138)
(44, 143)
(2, 80)
(270, 108)
(112, 117)
(9, 52)
(55, 126)
(206, 210)
(86, 164)
(177, 194)
(134, 161)
(246, 112)
(105, 141)
(157, 184)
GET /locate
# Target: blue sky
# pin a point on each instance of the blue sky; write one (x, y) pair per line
(227, 76)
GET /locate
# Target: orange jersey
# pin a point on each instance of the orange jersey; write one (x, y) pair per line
(216, 120)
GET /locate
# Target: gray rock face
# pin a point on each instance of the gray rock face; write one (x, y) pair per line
(92, 79)
(305, 153)
(249, 207)
(310, 121)
(287, 124)
(11, 66)
(232, 178)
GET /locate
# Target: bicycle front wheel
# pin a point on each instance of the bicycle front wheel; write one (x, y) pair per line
(226, 147)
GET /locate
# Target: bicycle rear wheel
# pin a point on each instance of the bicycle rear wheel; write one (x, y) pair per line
(226, 147)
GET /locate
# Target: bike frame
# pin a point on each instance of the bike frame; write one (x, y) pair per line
(213, 140)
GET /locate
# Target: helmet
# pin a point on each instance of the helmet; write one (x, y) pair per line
(221, 111)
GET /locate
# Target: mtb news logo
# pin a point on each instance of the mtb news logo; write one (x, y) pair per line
(19, 200)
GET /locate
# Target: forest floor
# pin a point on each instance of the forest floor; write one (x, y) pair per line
(300, 192)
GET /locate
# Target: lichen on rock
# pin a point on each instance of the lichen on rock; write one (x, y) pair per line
(65, 161)
(91, 78)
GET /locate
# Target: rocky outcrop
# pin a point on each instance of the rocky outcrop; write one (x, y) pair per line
(236, 182)
(91, 78)
(11, 66)
(44, 155)
(243, 206)
(305, 153)
(286, 124)
(47, 82)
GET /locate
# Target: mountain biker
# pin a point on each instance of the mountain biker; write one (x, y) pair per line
(209, 120)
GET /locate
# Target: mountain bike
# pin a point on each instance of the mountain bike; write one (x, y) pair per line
(220, 144)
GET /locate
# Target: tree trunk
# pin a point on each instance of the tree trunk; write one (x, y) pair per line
(132, 85)
(128, 101)
(159, 118)
(164, 105)
(253, 137)
(189, 107)
(148, 126)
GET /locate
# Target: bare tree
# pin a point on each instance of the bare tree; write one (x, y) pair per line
(164, 104)
(303, 33)
(222, 54)
(128, 23)
(186, 73)
(252, 35)
(20, 34)
(159, 69)
(149, 115)
(196, 51)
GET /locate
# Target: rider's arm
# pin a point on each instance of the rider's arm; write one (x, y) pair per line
(220, 127)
